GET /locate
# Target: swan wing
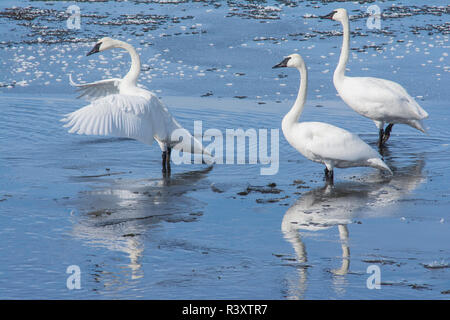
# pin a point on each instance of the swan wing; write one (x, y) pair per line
(328, 142)
(96, 90)
(135, 117)
(380, 98)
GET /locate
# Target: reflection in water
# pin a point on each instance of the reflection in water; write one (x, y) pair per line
(337, 205)
(117, 217)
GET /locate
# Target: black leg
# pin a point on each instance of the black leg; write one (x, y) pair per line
(380, 138)
(164, 160)
(169, 151)
(329, 176)
(387, 133)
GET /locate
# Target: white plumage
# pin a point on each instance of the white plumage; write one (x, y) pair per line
(331, 145)
(119, 108)
(322, 142)
(381, 100)
(98, 89)
(136, 117)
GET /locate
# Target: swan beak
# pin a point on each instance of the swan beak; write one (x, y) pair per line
(95, 49)
(328, 16)
(282, 64)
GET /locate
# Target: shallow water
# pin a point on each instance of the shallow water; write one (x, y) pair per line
(226, 231)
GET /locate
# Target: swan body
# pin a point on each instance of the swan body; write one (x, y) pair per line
(118, 107)
(380, 100)
(333, 146)
(322, 142)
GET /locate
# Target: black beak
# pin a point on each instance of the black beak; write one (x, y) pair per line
(282, 64)
(328, 16)
(95, 49)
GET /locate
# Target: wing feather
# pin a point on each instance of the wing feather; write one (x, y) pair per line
(331, 142)
(118, 115)
(378, 98)
(136, 117)
(96, 90)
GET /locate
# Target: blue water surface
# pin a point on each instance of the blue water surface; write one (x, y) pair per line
(221, 232)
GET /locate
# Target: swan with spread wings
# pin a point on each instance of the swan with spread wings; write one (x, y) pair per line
(118, 107)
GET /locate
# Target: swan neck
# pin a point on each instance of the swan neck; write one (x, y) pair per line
(339, 73)
(135, 68)
(294, 114)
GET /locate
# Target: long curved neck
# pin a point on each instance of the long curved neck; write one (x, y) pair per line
(339, 73)
(294, 114)
(135, 69)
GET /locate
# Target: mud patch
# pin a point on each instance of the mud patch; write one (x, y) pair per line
(271, 200)
(269, 189)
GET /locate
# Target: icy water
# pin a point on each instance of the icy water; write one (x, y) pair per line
(226, 231)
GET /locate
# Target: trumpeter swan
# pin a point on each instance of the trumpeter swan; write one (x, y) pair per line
(119, 108)
(323, 142)
(381, 100)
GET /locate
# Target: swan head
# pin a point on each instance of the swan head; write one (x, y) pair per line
(102, 45)
(292, 61)
(336, 15)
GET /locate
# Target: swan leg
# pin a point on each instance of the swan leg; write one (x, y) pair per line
(380, 138)
(329, 176)
(164, 161)
(169, 151)
(387, 133)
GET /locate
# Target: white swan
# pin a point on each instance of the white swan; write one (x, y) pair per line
(322, 142)
(119, 108)
(381, 100)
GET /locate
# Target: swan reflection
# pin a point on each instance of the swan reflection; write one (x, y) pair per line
(329, 206)
(118, 216)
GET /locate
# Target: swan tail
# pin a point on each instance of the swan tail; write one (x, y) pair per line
(194, 146)
(200, 149)
(421, 113)
(379, 164)
(417, 124)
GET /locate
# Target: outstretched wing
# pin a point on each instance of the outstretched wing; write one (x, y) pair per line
(126, 116)
(96, 90)
(140, 118)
